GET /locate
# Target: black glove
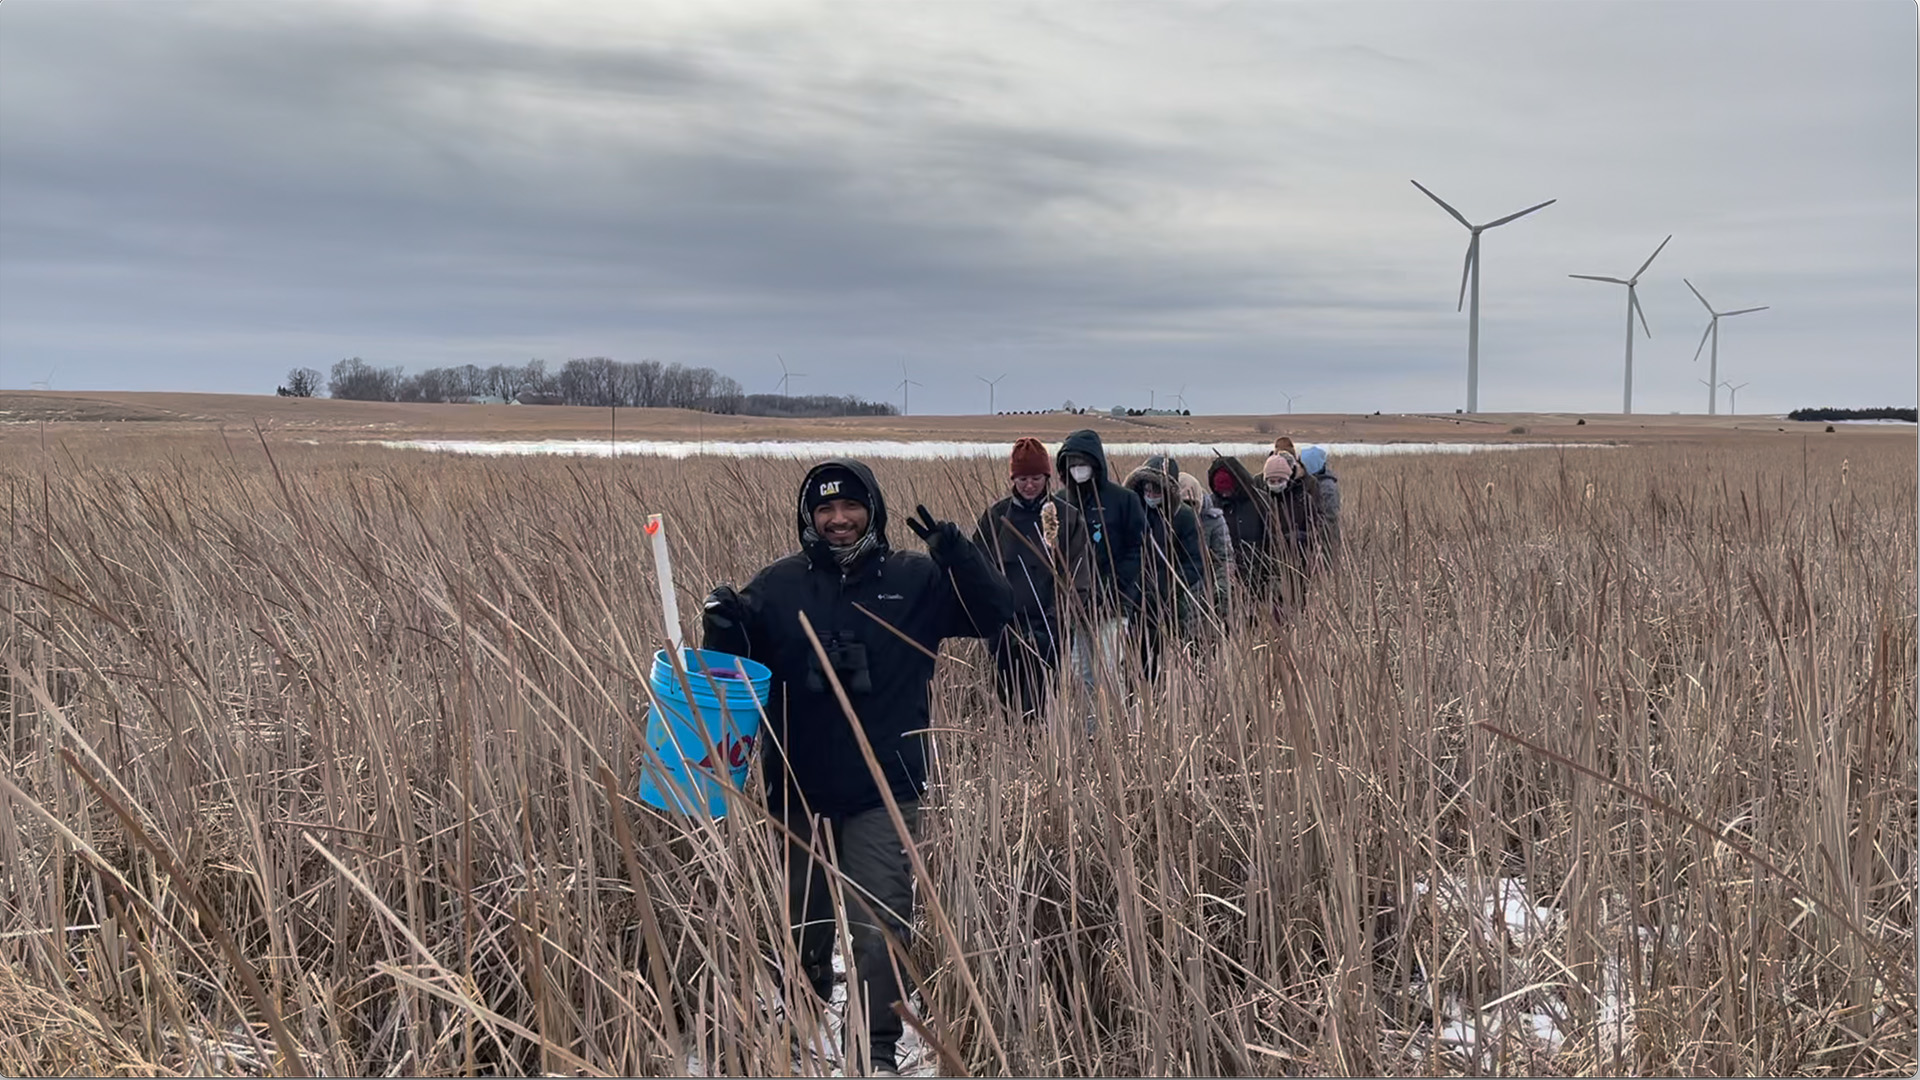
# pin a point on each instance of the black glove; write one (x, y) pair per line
(942, 538)
(724, 610)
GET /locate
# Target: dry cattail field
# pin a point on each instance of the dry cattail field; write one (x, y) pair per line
(1594, 760)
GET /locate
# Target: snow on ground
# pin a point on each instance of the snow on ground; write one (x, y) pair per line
(824, 1057)
(1516, 927)
(884, 449)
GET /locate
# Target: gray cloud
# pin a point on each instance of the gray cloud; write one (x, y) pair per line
(1103, 199)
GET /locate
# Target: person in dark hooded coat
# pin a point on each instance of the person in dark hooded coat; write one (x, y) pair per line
(1116, 523)
(1172, 564)
(1244, 503)
(816, 777)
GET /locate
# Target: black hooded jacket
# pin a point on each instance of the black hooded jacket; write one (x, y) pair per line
(1250, 519)
(1172, 564)
(822, 763)
(1116, 523)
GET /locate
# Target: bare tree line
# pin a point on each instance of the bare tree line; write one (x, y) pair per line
(593, 381)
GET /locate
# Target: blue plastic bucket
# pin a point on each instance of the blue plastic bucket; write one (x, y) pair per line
(693, 739)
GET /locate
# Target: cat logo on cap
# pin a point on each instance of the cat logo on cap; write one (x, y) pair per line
(829, 488)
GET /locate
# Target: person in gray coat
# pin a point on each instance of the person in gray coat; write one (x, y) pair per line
(1314, 460)
(1218, 548)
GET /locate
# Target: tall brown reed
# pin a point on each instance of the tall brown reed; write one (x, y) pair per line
(376, 717)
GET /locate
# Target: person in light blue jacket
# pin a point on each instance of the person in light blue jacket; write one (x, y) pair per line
(1314, 460)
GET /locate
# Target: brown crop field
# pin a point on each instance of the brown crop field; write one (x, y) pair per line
(321, 758)
(137, 416)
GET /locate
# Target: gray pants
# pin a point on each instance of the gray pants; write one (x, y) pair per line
(880, 874)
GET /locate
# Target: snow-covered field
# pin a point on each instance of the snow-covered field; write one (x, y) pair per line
(913, 450)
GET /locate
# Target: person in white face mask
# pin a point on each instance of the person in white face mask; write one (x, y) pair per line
(1296, 504)
(1116, 522)
(1171, 560)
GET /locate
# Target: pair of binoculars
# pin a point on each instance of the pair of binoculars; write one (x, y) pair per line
(849, 660)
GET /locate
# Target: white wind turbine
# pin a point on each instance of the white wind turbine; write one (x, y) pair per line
(1471, 271)
(1713, 331)
(1633, 306)
(992, 384)
(906, 383)
(1733, 397)
(787, 377)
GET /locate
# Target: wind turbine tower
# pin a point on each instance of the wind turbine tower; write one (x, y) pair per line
(1470, 271)
(1633, 307)
(1733, 397)
(787, 377)
(1713, 331)
(992, 384)
(905, 388)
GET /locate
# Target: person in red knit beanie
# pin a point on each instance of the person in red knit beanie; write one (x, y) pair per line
(1040, 544)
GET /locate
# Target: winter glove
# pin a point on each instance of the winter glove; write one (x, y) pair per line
(943, 539)
(724, 610)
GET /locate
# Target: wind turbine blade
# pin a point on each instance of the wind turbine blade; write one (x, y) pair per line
(1703, 300)
(1466, 268)
(1634, 299)
(1521, 214)
(1443, 204)
(1595, 277)
(1650, 258)
(1744, 310)
(1703, 339)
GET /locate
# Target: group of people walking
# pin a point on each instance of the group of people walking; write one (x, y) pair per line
(1071, 562)
(1100, 564)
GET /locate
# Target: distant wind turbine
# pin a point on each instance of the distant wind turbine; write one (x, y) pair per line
(1633, 307)
(1290, 400)
(1181, 397)
(1713, 331)
(1470, 271)
(43, 384)
(787, 377)
(1733, 399)
(905, 388)
(991, 385)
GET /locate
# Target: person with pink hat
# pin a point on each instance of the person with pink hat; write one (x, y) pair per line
(1296, 504)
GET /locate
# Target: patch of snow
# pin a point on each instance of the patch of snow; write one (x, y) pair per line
(1504, 904)
(822, 1053)
(904, 450)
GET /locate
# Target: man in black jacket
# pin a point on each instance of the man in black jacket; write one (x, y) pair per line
(1116, 523)
(816, 777)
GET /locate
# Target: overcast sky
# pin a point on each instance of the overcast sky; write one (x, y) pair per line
(1100, 200)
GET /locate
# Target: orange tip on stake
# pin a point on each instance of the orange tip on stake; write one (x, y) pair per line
(653, 524)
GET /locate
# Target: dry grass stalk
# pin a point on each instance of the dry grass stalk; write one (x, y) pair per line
(380, 714)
